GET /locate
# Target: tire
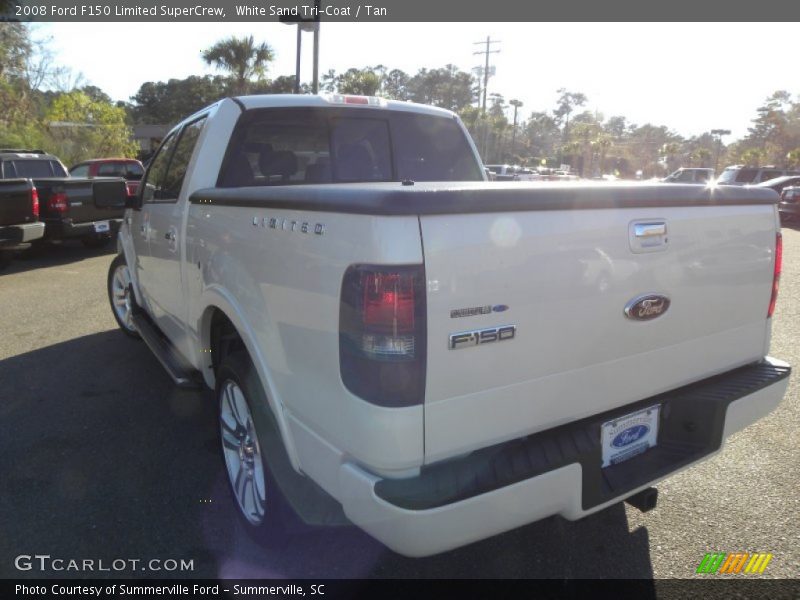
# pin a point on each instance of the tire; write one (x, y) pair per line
(119, 295)
(5, 258)
(38, 248)
(252, 451)
(92, 241)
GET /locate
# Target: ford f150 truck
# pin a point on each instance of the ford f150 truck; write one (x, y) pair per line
(445, 357)
(66, 204)
(19, 217)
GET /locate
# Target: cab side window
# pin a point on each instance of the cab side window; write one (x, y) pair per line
(80, 171)
(168, 169)
(180, 160)
(158, 170)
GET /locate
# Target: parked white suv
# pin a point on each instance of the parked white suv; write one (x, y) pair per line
(742, 175)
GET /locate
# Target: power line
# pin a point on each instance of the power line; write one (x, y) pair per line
(487, 51)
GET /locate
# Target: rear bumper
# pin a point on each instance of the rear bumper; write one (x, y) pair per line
(60, 229)
(555, 472)
(19, 236)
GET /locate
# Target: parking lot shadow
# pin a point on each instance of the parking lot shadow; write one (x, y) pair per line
(102, 457)
(54, 255)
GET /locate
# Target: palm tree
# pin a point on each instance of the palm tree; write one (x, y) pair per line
(242, 58)
(704, 156)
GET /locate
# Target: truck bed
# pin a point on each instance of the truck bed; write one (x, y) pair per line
(15, 202)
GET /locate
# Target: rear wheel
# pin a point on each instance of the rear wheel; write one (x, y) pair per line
(251, 443)
(5, 258)
(120, 295)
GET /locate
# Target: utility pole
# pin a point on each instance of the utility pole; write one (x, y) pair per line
(489, 41)
(719, 133)
(516, 104)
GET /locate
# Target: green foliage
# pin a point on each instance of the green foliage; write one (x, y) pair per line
(242, 58)
(80, 127)
(774, 135)
(364, 82)
(167, 102)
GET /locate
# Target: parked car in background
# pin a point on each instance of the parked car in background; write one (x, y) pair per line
(741, 175)
(526, 174)
(19, 217)
(504, 172)
(30, 164)
(130, 169)
(66, 204)
(779, 183)
(690, 175)
(789, 206)
(513, 173)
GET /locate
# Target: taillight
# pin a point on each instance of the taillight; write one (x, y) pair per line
(776, 276)
(382, 334)
(58, 202)
(35, 202)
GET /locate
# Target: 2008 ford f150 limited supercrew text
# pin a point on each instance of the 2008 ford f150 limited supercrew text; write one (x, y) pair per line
(445, 357)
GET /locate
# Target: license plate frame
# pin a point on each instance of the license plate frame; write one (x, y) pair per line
(102, 227)
(629, 435)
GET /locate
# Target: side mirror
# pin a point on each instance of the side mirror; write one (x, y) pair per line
(109, 193)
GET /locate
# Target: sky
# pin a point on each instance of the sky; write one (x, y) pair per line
(691, 77)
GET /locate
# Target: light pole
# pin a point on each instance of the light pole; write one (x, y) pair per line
(719, 133)
(516, 104)
(306, 24)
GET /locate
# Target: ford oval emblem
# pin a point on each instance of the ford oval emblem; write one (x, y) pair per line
(499, 308)
(629, 436)
(645, 308)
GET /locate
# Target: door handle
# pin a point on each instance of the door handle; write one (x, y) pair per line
(646, 230)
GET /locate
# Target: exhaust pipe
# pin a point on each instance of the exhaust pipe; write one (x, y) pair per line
(645, 500)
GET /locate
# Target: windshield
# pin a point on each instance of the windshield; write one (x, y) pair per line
(312, 145)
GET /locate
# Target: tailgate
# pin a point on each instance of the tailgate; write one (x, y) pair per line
(80, 199)
(563, 279)
(16, 206)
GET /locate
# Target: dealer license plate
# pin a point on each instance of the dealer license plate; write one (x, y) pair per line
(101, 227)
(629, 435)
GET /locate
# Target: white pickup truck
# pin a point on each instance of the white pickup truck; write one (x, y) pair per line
(446, 358)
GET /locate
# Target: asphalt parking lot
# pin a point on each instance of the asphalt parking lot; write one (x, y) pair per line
(101, 457)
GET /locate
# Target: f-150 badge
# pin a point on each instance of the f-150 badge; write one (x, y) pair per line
(468, 339)
(646, 308)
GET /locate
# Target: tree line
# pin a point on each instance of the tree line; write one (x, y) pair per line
(46, 106)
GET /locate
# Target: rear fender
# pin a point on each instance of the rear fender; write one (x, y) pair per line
(217, 297)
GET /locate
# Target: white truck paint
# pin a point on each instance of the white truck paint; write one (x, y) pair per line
(558, 263)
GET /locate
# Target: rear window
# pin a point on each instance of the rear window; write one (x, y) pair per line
(35, 168)
(309, 145)
(120, 169)
(746, 175)
(765, 175)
